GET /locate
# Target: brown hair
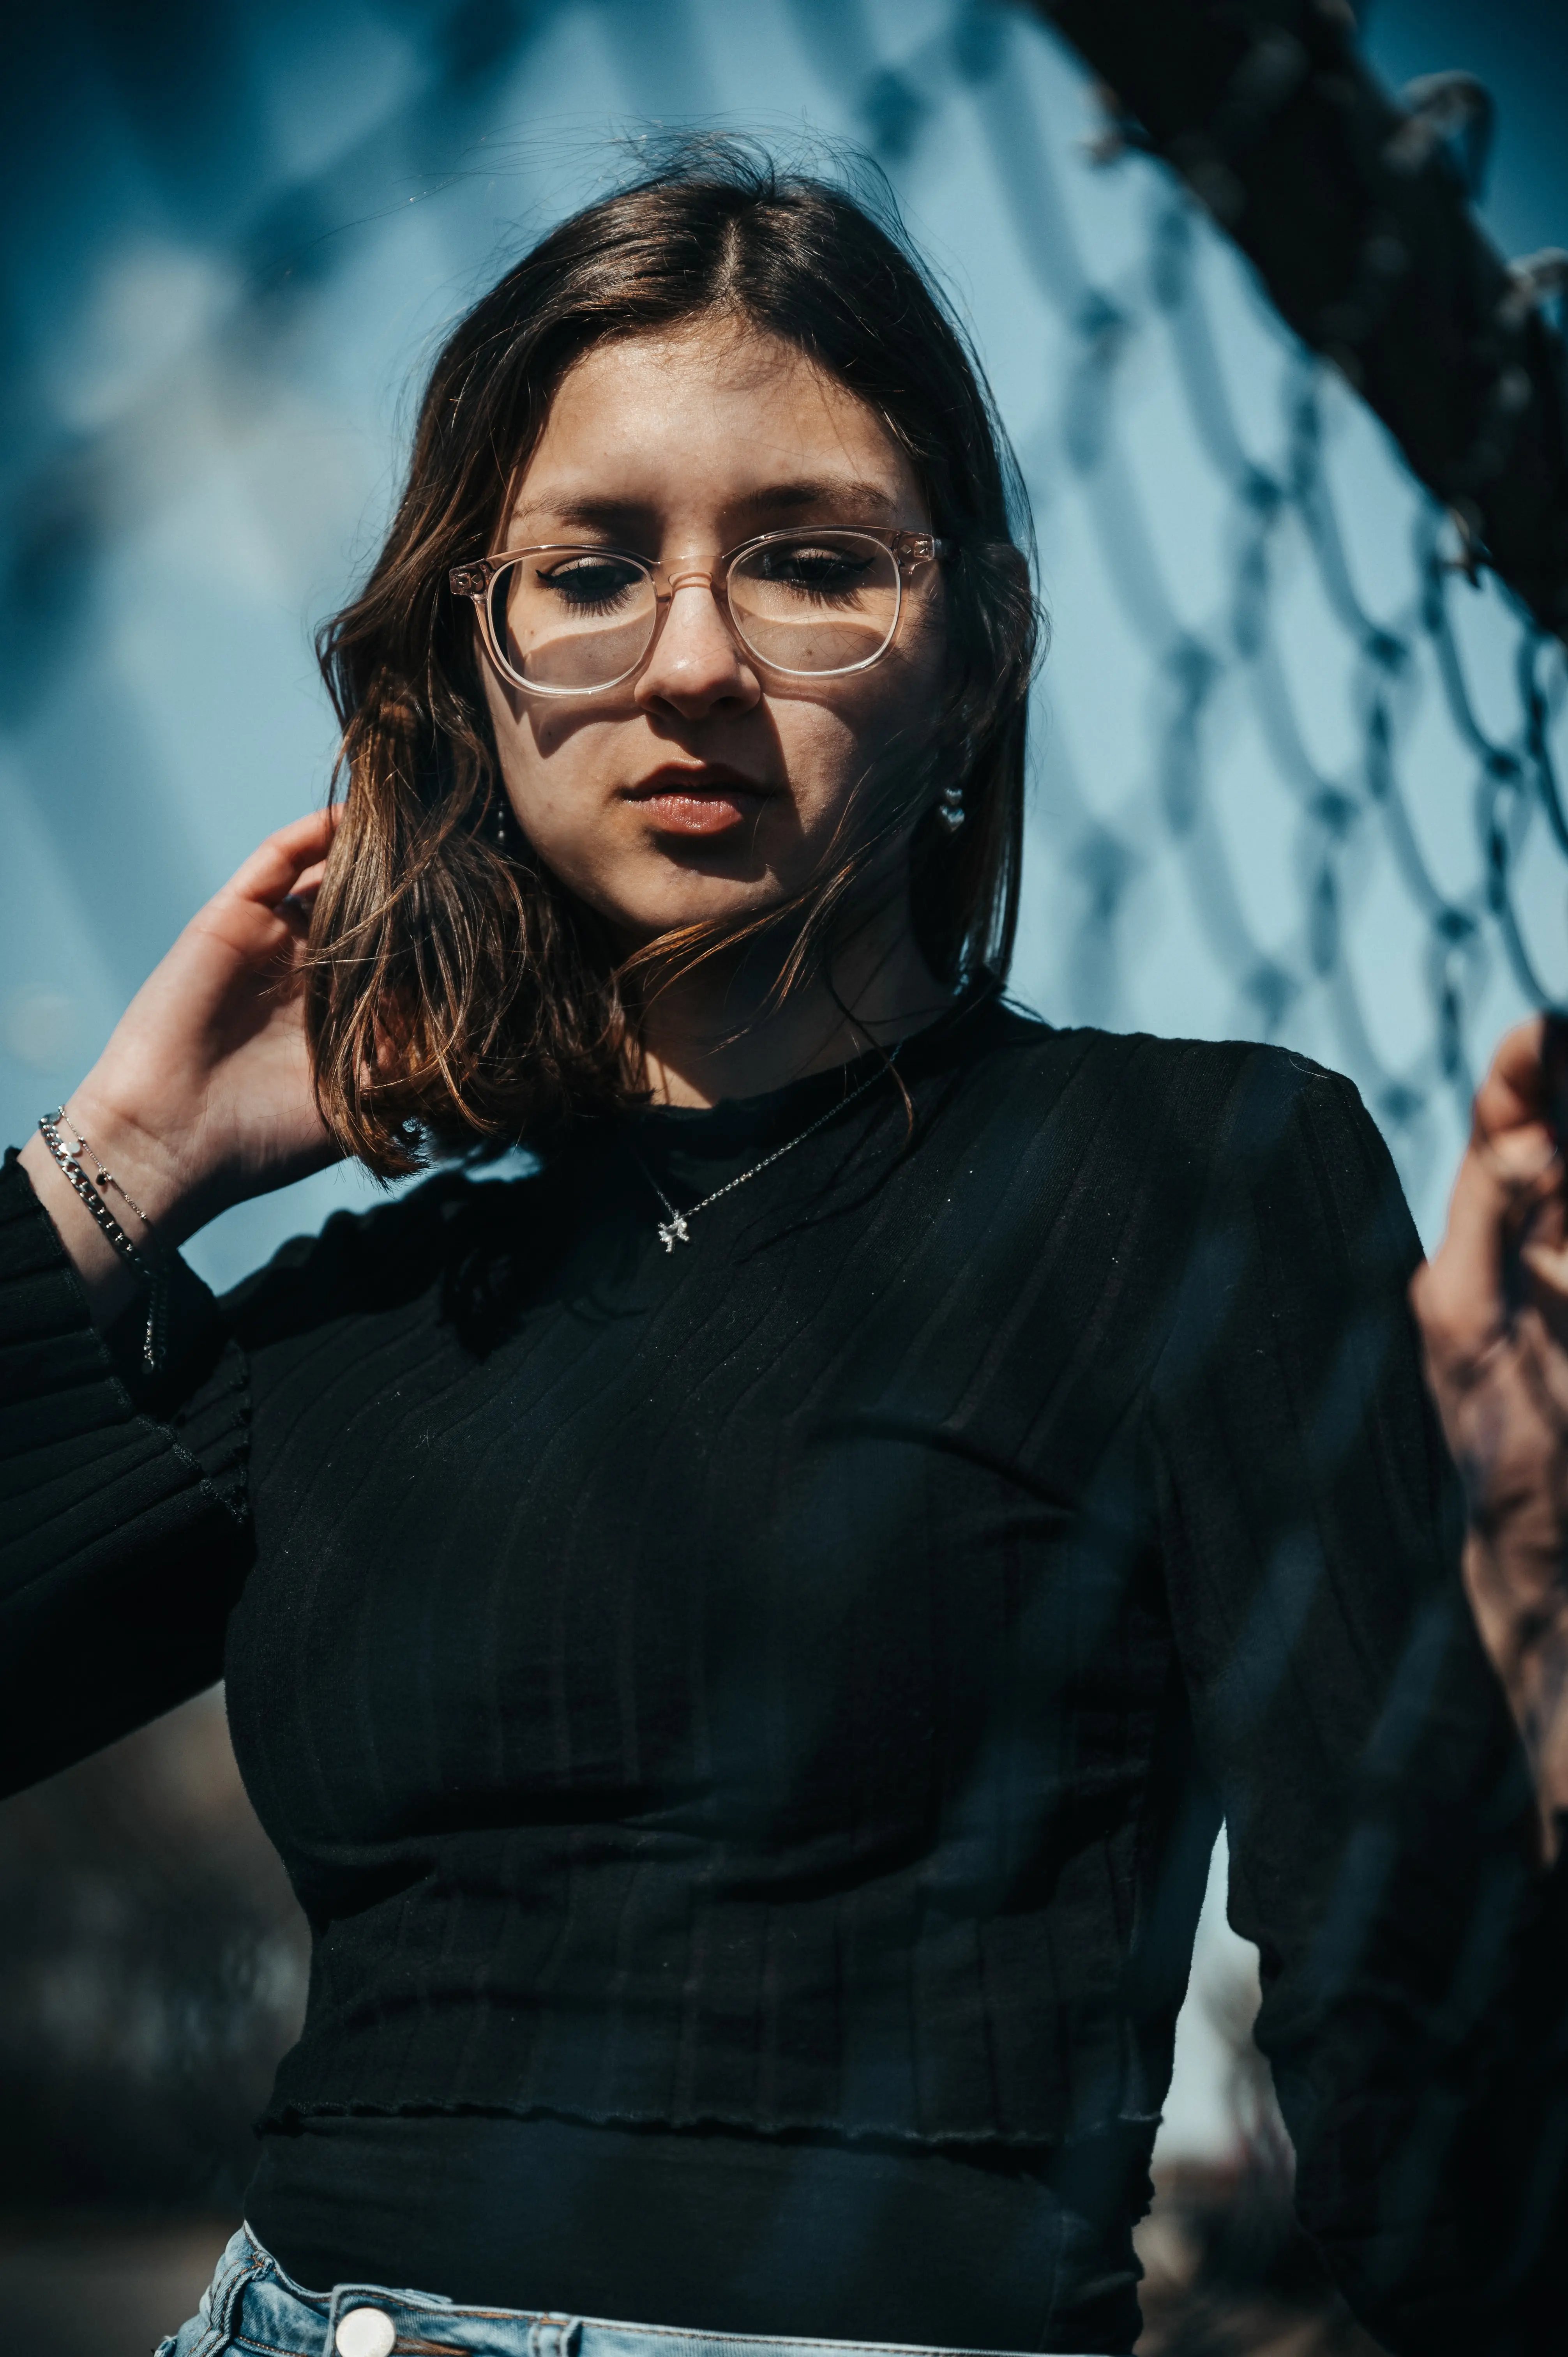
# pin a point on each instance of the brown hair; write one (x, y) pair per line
(456, 993)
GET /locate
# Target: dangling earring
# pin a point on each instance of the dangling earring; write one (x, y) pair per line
(503, 811)
(950, 808)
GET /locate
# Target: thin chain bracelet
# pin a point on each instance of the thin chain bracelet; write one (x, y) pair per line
(105, 1177)
(150, 1268)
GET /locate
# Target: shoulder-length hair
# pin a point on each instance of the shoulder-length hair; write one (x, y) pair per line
(457, 995)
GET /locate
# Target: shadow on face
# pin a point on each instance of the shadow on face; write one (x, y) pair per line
(707, 785)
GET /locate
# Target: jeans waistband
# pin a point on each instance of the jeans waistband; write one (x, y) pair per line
(253, 2309)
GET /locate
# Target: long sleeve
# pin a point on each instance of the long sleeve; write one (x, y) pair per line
(1377, 1817)
(124, 1537)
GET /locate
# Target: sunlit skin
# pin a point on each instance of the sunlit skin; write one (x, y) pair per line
(708, 787)
(678, 447)
(705, 788)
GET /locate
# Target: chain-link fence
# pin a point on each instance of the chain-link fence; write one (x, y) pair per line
(1296, 769)
(1298, 775)
(1339, 822)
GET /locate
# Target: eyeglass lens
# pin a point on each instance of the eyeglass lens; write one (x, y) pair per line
(577, 619)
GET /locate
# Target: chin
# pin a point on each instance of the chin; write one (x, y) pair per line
(726, 900)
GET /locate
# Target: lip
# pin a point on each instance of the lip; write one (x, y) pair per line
(698, 797)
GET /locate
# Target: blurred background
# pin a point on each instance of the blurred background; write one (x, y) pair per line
(1294, 779)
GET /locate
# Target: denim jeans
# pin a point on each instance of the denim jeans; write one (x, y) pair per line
(252, 2307)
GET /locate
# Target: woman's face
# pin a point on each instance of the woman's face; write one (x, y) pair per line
(706, 786)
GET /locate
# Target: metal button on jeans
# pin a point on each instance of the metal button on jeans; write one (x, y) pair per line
(365, 2332)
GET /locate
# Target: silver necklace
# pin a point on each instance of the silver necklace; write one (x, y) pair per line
(673, 1230)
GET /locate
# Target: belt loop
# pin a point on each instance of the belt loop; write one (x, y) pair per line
(241, 2264)
(554, 2336)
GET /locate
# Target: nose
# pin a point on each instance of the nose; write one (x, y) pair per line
(696, 666)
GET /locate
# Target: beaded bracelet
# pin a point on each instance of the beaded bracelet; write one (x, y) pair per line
(151, 1268)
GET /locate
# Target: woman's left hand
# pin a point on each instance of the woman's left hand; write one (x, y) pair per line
(1493, 1309)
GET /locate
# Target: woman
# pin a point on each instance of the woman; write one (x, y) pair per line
(744, 1635)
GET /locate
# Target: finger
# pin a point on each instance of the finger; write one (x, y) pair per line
(1524, 1079)
(274, 869)
(1518, 1125)
(1546, 1268)
(1458, 1296)
(293, 915)
(309, 884)
(1516, 1128)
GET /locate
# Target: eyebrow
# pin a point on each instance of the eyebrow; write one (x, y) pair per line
(823, 491)
(587, 513)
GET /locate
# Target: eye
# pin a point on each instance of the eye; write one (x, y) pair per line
(816, 568)
(587, 583)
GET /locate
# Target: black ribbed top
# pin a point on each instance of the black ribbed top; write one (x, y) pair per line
(791, 1681)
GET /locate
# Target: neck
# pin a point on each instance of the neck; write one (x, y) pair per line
(720, 1032)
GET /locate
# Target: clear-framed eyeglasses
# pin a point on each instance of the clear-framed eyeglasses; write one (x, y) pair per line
(563, 620)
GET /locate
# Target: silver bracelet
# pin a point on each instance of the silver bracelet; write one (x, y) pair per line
(150, 1266)
(105, 1176)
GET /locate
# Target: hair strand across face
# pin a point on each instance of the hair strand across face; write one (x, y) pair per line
(457, 996)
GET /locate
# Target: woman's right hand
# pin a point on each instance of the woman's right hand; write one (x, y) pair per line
(1493, 1307)
(203, 1095)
